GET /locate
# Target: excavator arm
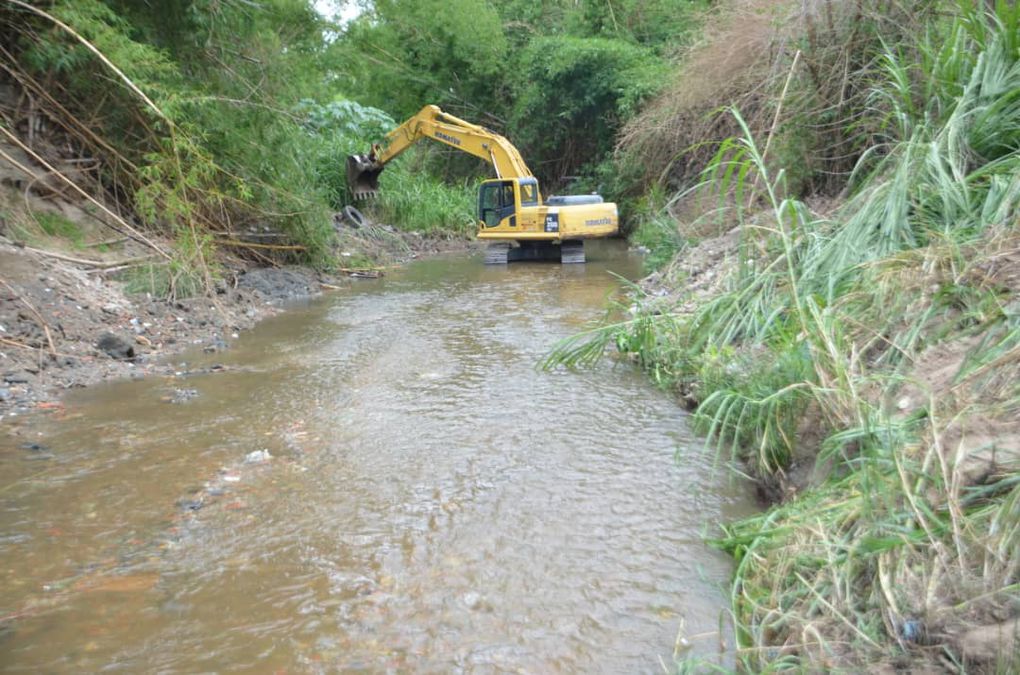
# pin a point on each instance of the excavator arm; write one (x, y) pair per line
(431, 122)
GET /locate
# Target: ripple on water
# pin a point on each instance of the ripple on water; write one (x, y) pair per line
(434, 502)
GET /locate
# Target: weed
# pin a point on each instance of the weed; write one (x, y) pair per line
(56, 225)
(662, 239)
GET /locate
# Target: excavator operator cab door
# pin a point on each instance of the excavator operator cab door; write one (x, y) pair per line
(497, 200)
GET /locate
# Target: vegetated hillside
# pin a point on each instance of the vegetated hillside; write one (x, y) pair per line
(844, 313)
(199, 122)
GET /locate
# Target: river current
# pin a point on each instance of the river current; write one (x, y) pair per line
(377, 480)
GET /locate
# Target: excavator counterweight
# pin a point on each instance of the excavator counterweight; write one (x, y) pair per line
(511, 211)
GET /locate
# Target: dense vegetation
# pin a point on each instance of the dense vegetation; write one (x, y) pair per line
(828, 189)
(208, 117)
(861, 362)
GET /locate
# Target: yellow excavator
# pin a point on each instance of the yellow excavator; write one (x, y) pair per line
(511, 212)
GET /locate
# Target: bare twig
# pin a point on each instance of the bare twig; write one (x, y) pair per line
(99, 264)
(248, 244)
(134, 234)
(38, 316)
(22, 345)
(106, 242)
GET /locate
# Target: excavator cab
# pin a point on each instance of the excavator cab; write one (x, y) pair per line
(497, 202)
(502, 198)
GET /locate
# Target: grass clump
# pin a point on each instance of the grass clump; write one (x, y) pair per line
(660, 237)
(56, 225)
(168, 281)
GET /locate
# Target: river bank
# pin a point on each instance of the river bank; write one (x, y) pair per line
(879, 423)
(65, 325)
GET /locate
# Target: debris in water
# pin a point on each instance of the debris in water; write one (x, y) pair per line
(257, 457)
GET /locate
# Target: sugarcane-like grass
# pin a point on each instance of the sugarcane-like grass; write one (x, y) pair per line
(904, 539)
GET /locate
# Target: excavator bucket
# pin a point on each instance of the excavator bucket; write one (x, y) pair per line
(363, 176)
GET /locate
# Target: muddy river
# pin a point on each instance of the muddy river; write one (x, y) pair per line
(377, 480)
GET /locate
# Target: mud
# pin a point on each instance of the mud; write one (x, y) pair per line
(63, 328)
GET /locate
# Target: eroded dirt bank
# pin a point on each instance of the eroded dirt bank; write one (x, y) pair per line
(64, 326)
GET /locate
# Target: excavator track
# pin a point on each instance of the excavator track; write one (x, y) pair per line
(498, 253)
(572, 252)
(568, 253)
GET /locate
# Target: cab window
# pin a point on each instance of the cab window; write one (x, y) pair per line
(529, 193)
(495, 202)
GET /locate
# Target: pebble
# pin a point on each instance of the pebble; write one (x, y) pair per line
(183, 395)
(257, 457)
(216, 345)
(190, 504)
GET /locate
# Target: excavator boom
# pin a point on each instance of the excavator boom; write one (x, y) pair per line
(431, 122)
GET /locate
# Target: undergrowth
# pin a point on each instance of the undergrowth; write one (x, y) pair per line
(202, 122)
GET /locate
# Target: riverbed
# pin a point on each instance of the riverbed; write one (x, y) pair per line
(376, 480)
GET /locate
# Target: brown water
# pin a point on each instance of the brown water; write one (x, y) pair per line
(433, 503)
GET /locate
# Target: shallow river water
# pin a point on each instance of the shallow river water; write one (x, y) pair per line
(433, 502)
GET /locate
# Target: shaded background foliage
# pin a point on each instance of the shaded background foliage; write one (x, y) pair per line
(556, 77)
(228, 142)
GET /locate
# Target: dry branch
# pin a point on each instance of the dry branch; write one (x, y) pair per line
(248, 244)
(38, 316)
(131, 231)
(99, 264)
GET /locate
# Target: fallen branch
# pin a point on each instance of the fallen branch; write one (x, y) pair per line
(107, 242)
(120, 268)
(22, 345)
(38, 316)
(134, 234)
(250, 244)
(99, 264)
(365, 273)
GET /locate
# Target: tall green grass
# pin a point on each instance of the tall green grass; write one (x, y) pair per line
(411, 198)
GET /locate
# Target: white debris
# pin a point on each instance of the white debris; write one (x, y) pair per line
(257, 457)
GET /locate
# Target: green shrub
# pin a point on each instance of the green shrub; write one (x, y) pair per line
(56, 225)
(662, 239)
(572, 95)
